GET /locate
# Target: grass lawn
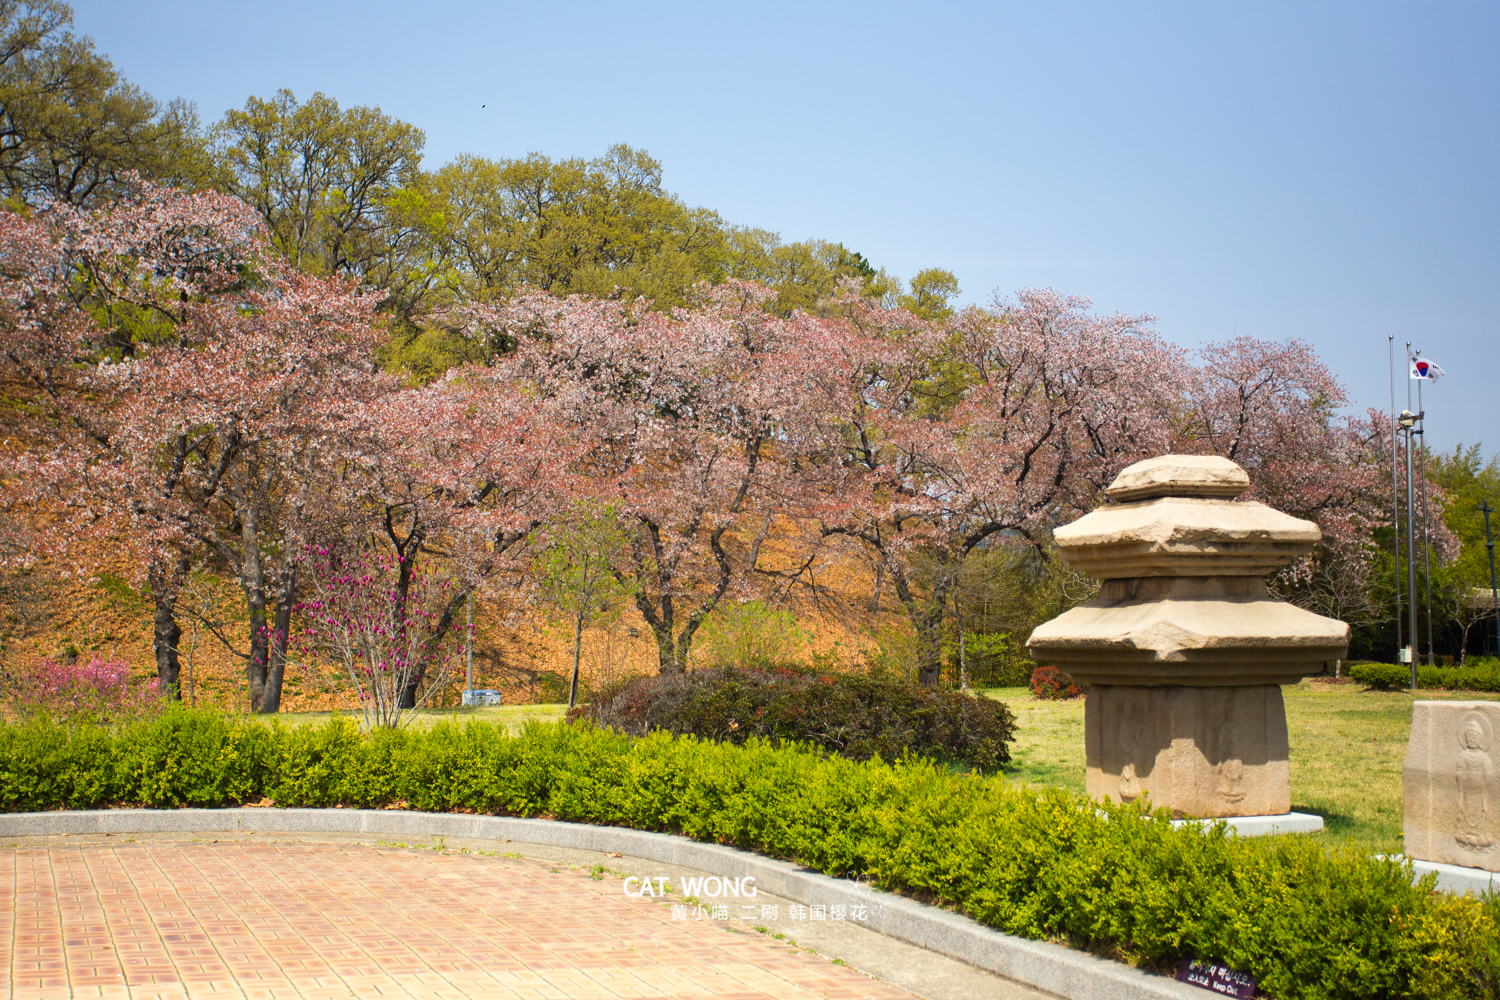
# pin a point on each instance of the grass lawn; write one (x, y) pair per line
(1347, 747)
(513, 716)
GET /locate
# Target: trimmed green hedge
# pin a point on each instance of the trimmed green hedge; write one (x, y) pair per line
(1391, 676)
(1040, 863)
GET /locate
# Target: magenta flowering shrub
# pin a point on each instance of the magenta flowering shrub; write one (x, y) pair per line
(99, 691)
(380, 622)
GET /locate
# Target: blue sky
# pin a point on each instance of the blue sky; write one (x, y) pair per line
(1323, 171)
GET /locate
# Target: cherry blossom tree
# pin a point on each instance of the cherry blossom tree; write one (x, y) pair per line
(185, 387)
(262, 391)
(464, 470)
(994, 427)
(79, 289)
(1272, 407)
(702, 427)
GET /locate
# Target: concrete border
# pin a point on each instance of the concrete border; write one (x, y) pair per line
(1049, 967)
(1457, 880)
(1261, 826)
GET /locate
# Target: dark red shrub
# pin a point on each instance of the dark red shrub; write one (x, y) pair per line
(1052, 684)
(853, 715)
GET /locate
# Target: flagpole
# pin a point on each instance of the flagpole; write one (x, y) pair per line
(1411, 535)
(1426, 542)
(1395, 488)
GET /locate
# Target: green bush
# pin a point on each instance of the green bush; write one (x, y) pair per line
(1392, 676)
(750, 635)
(855, 715)
(993, 660)
(1307, 922)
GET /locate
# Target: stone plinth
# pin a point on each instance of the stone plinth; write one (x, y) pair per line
(1184, 645)
(1200, 751)
(1451, 782)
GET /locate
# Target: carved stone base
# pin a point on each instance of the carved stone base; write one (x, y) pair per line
(1451, 781)
(1198, 751)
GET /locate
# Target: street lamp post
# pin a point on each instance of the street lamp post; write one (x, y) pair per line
(1406, 420)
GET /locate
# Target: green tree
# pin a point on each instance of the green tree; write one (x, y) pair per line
(334, 187)
(932, 292)
(575, 226)
(71, 129)
(1467, 480)
(576, 575)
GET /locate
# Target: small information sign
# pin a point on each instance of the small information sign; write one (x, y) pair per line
(1220, 979)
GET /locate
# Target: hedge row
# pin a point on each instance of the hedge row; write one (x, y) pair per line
(1307, 922)
(1388, 676)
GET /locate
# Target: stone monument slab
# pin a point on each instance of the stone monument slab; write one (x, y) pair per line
(1451, 782)
(1201, 751)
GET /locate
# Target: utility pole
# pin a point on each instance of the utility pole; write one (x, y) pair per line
(1489, 543)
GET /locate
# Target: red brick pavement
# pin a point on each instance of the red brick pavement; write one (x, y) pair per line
(295, 921)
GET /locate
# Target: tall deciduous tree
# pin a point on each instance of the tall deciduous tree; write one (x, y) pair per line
(712, 421)
(1041, 404)
(71, 129)
(184, 387)
(325, 181)
(577, 573)
(1272, 407)
(82, 292)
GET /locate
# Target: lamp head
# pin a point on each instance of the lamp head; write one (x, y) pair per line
(1407, 419)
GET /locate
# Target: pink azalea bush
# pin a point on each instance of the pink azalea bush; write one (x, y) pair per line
(99, 691)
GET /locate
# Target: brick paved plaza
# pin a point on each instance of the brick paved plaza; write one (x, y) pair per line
(292, 920)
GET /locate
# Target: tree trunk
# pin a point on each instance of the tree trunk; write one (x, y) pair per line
(927, 620)
(577, 650)
(666, 650)
(255, 667)
(433, 645)
(277, 645)
(167, 634)
(929, 648)
(253, 583)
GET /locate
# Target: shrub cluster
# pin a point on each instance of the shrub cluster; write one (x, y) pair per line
(1053, 684)
(855, 715)
(1390, 676)
(1306, 922)
(99, 691)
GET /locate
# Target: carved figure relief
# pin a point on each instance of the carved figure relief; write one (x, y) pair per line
(1230, 772)
(1132, 746)
(1472, 774)
(1232, 781)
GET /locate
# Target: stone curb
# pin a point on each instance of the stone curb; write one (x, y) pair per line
(1452, 878)
(1050, 967)
(1262, 826)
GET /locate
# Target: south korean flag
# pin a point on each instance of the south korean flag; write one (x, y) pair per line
(1424, 369)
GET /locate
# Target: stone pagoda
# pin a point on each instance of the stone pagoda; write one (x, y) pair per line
(1184, 647)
